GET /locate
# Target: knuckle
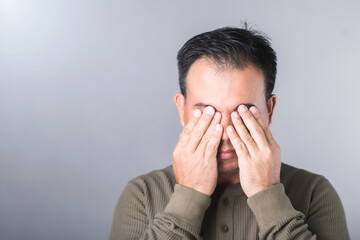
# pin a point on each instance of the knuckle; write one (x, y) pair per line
(247, 137)
(186, 131)
(241, 145)
(176, 150)
(211, 147)
(258, 130)
(175, 153)
(237, 142)
(187, 152)
(268, 153)
(197, 133)
(206, 137)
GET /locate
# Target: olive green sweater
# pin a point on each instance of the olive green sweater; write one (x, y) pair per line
(303, 206)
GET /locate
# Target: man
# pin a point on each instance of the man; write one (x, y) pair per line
(227, 180)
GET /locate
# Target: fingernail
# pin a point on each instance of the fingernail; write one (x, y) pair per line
(229, 129)
(253, 110)
(217, 116)
(197, 113)
(209, 110)
(235, 115)
(242, 108)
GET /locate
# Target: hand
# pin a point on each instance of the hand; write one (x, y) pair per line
(258, 154)
(194, 157)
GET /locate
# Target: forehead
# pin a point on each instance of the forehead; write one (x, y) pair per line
(224, 86)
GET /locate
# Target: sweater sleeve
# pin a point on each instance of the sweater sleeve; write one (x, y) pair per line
(277, 219)
(181, 218)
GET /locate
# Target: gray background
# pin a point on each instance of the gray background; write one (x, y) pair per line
(86, 100)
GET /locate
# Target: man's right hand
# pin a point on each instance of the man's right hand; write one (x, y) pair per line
(194, 157)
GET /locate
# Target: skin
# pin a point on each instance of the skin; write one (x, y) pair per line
(215, 118)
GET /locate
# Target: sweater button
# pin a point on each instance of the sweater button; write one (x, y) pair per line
(224, 228)
(225, 201)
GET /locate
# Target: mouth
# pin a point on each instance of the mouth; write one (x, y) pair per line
(226, 154)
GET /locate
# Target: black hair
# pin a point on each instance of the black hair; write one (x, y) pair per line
(229, 46)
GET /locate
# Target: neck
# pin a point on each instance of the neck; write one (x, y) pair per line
(227, 179)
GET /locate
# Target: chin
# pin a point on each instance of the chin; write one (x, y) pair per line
(228, 166)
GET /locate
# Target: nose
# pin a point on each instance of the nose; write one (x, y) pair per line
(225, 121)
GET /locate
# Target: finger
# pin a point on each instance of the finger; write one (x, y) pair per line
(209, 133)
(256, 131)
(243, 133)
(213, 144)
(238, 144)
(255, 112)
(200, 128)
(188, 128)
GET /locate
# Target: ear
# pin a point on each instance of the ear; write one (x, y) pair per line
(179, 100)
(270, 106)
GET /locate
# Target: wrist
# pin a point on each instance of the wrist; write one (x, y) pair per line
(269, 204)
(258, 189)
(188, 204)
(206, 190)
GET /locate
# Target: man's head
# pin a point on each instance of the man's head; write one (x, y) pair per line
(229, 47)
(225, 68)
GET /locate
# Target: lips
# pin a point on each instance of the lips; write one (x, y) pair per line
(226, 150)
(226, 153)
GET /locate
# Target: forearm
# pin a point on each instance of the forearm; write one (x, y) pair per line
(164, 226)
(277, 219)
(181, 218)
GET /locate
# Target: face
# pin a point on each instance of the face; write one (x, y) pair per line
(224, 89)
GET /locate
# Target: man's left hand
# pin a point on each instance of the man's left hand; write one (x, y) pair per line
(258, 153)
